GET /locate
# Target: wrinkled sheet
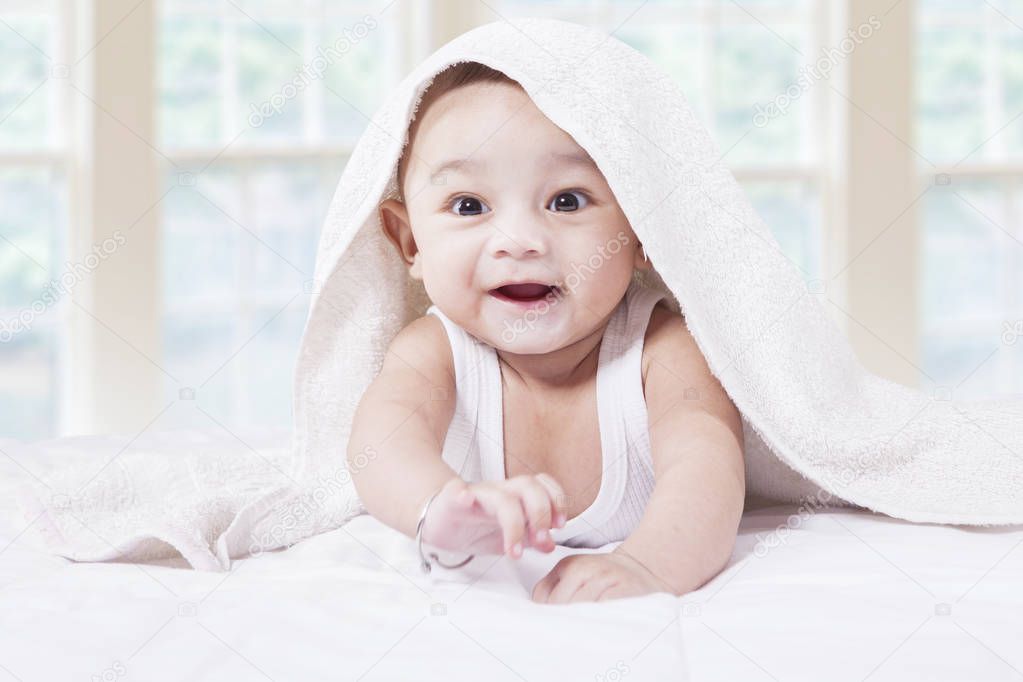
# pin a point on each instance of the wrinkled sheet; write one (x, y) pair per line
(837, 593)
(349, 604)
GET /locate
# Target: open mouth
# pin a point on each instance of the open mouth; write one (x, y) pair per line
(523, 293)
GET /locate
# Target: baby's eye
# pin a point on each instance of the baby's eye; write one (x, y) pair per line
(568, 201)
(468, 206)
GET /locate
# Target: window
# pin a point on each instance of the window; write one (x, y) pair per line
(259, 106)
(34, 278)
(969, 95)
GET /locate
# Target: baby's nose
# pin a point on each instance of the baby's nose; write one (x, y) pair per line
(520, 240)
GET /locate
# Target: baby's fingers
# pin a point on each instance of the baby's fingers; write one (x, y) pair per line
(536, 504)
(559, 501)
(506, 508)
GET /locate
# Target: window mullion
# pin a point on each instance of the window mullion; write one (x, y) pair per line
(67, 123)
(245, 301)
(880, 268)
(229, 73)
(115, 354)
(313, 97)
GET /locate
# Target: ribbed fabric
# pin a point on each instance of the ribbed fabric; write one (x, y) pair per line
(474, 445)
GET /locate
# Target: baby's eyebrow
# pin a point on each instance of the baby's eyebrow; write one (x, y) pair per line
(572, 159)
(469, 164)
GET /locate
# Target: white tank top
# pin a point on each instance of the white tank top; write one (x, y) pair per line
(474, 445)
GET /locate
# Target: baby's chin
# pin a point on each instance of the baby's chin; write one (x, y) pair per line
(531, 330)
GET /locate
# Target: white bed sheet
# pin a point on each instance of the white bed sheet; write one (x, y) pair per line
(842, 594)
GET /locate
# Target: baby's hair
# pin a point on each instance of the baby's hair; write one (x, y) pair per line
(451, 78)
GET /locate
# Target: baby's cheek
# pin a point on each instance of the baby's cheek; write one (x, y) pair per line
(460, 270)
(450, 274)
(446, 284)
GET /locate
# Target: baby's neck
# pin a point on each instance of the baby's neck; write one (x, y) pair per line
(563, 369)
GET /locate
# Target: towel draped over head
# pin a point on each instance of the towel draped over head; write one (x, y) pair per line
(818, 427)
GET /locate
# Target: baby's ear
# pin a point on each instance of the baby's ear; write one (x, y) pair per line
(396, 227)
(641, 260)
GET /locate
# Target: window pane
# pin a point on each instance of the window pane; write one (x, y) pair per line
(969, 66)
(770, 138)
(191, 74)
(361, 51)
(200, 241)
(197, 341)
(32, 224)
(969, 283)
(791, 209)
(969, 80)
(239, 247)
(1010, 42)
(678, 49)
(268, 387)
(26, 91)
(963, 249)
(950, 91)
(257, 90)
(32, 207)
(29, 383)
(264, 74)
(269, 55)
(32, 293)
(964, 363)
(287, 208)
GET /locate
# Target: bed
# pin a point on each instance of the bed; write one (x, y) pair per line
(835, 592)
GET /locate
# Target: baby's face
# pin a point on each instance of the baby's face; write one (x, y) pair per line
(496, 193)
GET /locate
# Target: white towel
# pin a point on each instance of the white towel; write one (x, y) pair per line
(816, 422)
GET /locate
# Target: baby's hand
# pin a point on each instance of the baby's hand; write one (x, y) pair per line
(596, 577)
(496, 517)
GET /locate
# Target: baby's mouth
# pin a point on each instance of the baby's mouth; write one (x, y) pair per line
(526, 292)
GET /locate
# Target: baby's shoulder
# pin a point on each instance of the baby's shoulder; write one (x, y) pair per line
(662, 324)
(668, 347)
(423, 345)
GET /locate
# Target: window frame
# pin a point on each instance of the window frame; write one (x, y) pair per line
(104, 393)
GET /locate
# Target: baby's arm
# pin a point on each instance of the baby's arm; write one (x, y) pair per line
(395, 459)
(689, 527)
(399, 427)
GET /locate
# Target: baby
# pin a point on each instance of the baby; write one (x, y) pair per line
(497, 209)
